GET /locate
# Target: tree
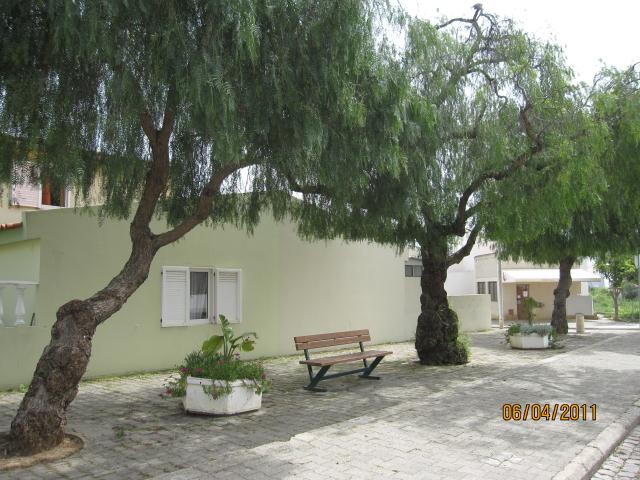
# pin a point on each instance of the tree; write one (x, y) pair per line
(561, 245)
(483, 107)
(617, 269)
(597, 215)
(165, 103)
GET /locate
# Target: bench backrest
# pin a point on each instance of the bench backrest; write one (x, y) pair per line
(307, 342)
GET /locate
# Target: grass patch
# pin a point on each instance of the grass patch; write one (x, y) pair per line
(628, 310)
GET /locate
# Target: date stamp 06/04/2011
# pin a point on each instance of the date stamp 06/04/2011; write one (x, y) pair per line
(565, 412)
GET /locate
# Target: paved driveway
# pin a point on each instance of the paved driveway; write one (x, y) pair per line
(417, 422)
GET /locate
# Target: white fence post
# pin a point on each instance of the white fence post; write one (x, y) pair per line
(1, 307)
(20, 309)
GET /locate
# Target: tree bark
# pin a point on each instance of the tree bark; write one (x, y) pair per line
(41, 417)
(437, 330)
(39, 422)
(560, 295)
(615, 295)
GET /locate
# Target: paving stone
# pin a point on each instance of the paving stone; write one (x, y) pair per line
(417, 422)
(624, 461)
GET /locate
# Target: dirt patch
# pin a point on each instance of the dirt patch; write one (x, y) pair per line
(70, 445)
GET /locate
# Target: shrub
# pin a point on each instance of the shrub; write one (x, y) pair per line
(225, 367)
(629, 291)
(530, 304)
(539, 329)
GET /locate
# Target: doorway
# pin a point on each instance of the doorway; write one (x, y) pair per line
(522, 292)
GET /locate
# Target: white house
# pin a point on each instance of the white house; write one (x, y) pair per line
(508, 283)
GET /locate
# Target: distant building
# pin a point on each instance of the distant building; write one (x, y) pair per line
(508, 283)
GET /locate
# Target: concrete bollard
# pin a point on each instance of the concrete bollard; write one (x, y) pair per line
(579, 323)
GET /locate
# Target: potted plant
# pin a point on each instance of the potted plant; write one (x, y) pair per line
(529, 336)
(213, 380)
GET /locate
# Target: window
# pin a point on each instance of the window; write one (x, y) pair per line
(27, 195)
(228, 293)
(28, 191)
(413, 270)
(53, 196)
(493, 290)
(194, 296)
(199, 295)
(482, 288)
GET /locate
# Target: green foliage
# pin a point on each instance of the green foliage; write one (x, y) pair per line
(225, 367)
(628, 310)
(593, 203)
(464, 345)
(530, 329)
(215, 367)
(484, 111)
(617, 269)
(513, 329)
(284, 87)
(629, 291)
(529, 305)
(228, 342)
(475, 97)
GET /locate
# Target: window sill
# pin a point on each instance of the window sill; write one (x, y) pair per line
(198, 321)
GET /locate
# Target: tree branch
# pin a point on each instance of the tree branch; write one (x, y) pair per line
(158, 173)
(458, 225)
(306, 189)
(204, 207)
(472, 133)
(457, 74)
(466, 248)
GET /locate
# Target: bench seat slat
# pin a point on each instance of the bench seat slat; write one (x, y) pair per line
(327, 336)
(332, 342)
(347, 357)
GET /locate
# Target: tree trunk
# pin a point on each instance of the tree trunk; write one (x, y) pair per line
(615, 295)
(41, 417)
(39, 422)
(560, 295)
(437, 331)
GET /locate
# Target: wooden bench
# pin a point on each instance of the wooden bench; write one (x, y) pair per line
(309, 342)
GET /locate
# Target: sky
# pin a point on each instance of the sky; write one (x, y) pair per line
(590, 32)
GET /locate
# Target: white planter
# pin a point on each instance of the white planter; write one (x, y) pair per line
(243, 398)
(530, 341)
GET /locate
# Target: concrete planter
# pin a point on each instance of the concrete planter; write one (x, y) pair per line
(243, 397)
(528, 342)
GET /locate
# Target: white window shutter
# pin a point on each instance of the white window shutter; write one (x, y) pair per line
(175, 294)
(26, 195)
(228, 294)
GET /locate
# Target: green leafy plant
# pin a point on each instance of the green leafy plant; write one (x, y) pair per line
(629, 291)
(540, 329)
(224, 367)
(228, 342)
(119, 432)
(603, 304)
(529, 305)
(617, 269)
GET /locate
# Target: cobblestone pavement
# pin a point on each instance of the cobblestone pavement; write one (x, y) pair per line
(417, 422)
(624, 462)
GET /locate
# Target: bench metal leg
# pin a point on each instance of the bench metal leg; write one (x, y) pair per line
(371, 368)
(316, 379)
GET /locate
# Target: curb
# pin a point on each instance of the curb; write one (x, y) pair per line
(589, 460)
